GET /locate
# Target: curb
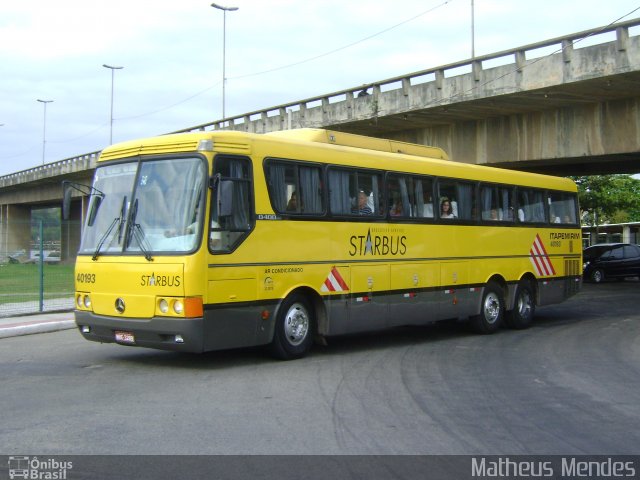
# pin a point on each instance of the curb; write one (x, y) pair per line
(37, 327)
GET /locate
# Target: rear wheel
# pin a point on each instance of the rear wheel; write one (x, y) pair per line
(294, 329)
(491, 310)
(524, 308)
(597, 276)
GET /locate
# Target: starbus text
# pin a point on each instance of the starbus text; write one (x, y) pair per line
(378, 245)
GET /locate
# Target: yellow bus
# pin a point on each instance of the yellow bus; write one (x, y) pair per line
(213, 240)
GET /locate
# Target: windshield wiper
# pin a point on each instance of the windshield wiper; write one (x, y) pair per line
(135, 231)
(116, 221)
(142, 241)
(104, 237)
(121, 217)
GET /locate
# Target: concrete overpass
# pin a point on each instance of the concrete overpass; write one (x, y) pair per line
(551, 107)
(575, 111)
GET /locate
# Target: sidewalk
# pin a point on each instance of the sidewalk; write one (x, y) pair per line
(38, 323)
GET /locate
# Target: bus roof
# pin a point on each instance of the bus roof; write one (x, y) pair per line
(332, 137)
(188, 142)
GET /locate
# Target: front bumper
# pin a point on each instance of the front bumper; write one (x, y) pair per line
(156, 332)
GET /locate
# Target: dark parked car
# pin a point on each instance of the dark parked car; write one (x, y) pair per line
(611, 260)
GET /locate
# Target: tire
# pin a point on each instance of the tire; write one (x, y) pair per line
(597, 276)
(524, 307)
(294, 329)
(491, 310)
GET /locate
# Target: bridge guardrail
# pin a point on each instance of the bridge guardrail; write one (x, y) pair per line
(60, 167)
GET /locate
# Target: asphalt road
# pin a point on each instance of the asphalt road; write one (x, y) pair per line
(569, 385)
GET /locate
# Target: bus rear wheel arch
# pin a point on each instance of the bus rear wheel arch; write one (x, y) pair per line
(295, 328)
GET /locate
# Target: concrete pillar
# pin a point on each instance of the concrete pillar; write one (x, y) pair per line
(71, 230)
(4, 245)
(17, 226)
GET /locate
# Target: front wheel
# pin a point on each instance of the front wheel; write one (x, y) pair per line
(524, 308)
(294, 329)
(491, 310)
(597, 276)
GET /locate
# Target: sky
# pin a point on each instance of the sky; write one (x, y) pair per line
(276, 51)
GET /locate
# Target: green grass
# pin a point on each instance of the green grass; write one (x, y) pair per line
(21, 282)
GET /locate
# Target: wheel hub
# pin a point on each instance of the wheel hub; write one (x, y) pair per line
(491, 308)
(296, 325)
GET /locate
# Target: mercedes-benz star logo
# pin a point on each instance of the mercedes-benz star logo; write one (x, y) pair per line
(120, 305)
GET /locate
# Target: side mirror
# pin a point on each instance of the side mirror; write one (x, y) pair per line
(68, 187)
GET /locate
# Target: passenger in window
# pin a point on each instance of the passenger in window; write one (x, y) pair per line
(362, 208)
(396, 208)
(493, 214)
(292, 206)
(445, 210)
(510, 214)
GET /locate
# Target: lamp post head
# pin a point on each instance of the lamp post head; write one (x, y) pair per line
(226, 9)
(111, 67)
(44, 101)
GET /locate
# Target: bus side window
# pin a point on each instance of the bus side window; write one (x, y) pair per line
(406, 197)
(497, 203)
(355, 192)
(457, 199)
(531, 206)
(295, 187)
(562, 208)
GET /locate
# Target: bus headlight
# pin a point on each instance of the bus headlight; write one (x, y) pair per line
(79, 301)
(87, 301)
(163, 305)
(178, 307)
(184, 307)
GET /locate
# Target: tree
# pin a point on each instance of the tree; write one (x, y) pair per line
(608, 198)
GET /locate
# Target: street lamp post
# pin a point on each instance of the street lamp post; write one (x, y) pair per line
(473, 34)
(224, 40)
(44, 126)
(113, 69)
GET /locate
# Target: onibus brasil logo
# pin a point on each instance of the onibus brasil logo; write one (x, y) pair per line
(40, 469)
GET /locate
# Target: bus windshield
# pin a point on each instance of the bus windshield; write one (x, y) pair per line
(147, 207)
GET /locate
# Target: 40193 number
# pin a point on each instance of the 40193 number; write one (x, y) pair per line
(86, 278)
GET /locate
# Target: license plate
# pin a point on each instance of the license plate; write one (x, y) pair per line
(125, 337)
